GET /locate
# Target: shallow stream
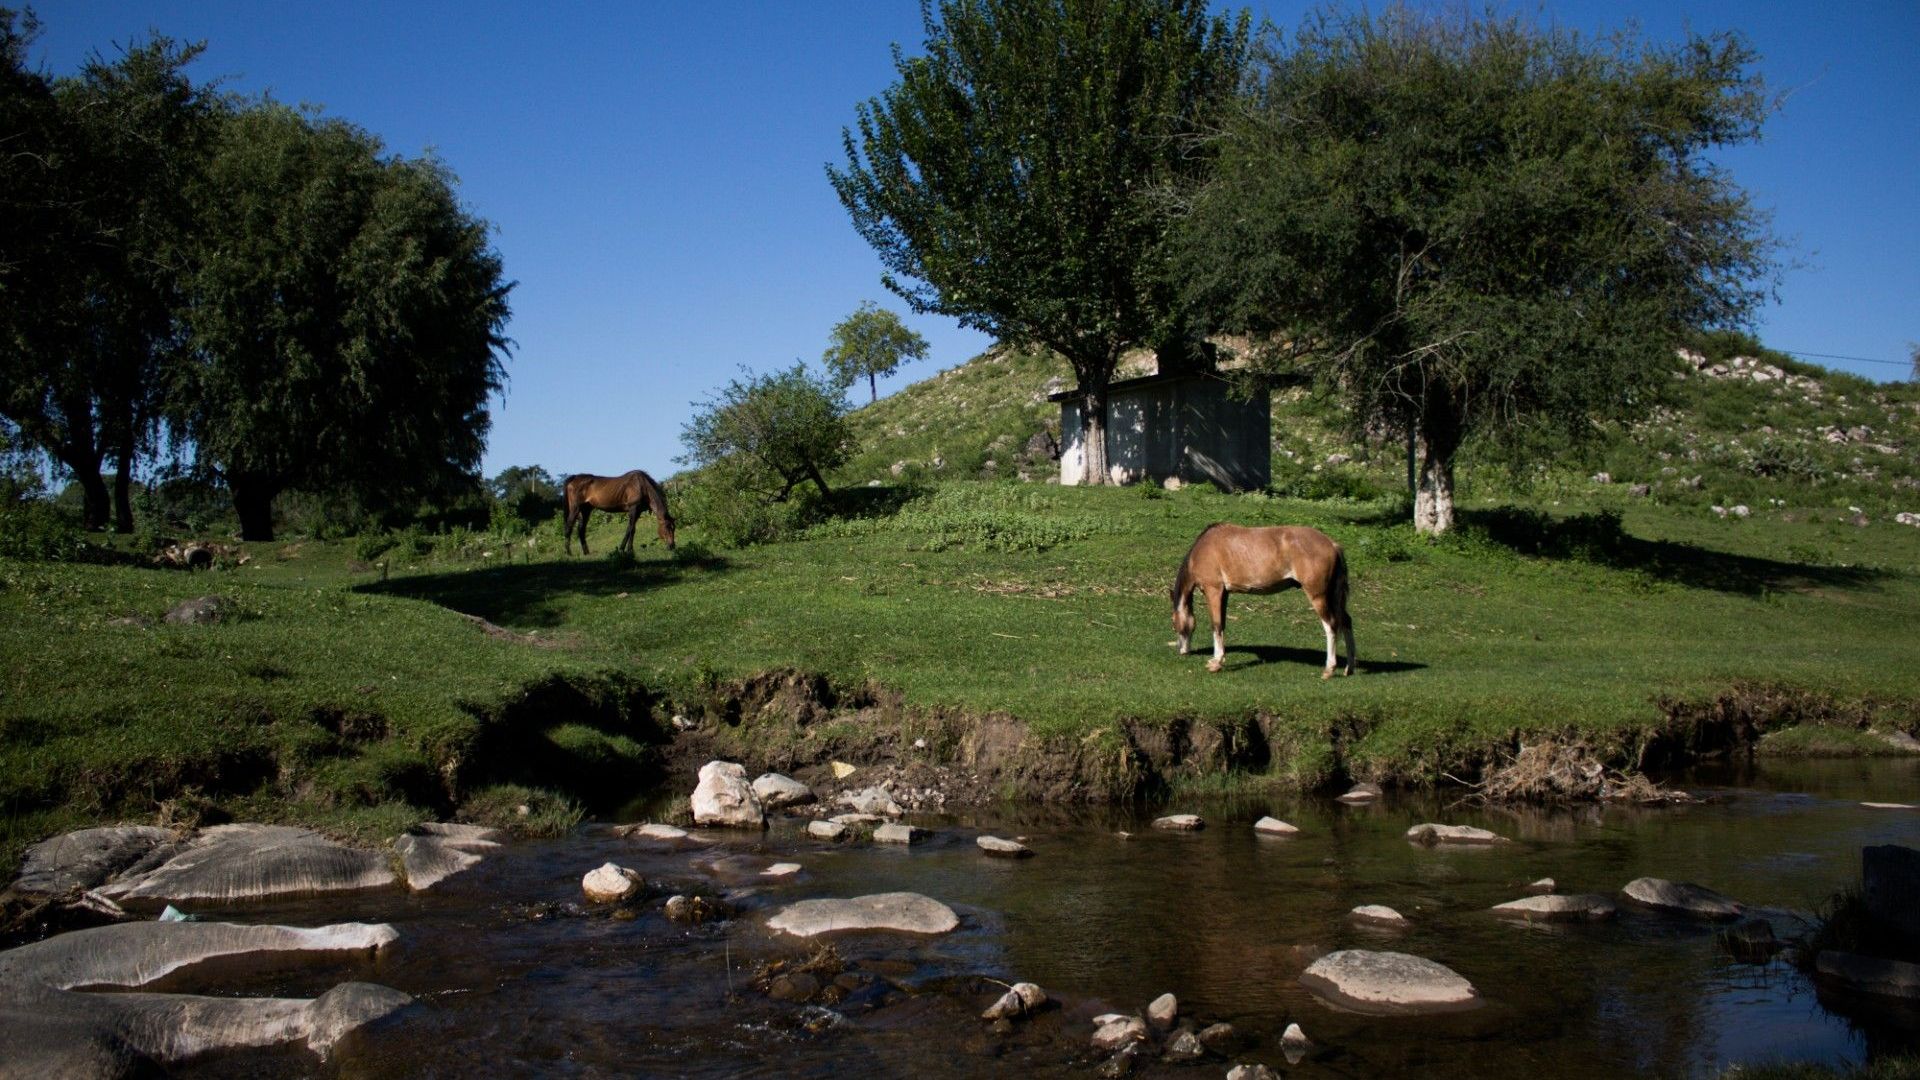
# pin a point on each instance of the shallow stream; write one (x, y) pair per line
(515, 977)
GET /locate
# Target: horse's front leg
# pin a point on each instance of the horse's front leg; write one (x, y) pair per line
(585, 513)
(633, 518)
(1217, 609)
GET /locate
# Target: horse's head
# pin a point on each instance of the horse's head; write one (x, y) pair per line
(1183, 609)
(666, 530)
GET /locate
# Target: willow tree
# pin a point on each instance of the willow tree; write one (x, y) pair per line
(1479, 228)
(1008, 178)
(346, 315)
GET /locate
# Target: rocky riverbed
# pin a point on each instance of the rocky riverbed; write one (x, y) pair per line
(1109, 948)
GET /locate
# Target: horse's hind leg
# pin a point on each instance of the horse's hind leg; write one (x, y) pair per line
(1217, 609)
(1346, 625)
(1332, 618)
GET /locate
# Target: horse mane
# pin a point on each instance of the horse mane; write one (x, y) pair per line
(656, 496)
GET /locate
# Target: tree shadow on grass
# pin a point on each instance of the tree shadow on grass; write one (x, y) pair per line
(537, 595)
(1317, 659)
(1598, 538)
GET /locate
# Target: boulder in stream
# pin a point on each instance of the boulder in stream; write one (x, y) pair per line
(608, 883)
(1869, 974)
(828, 830)
(1163, 1011)
(901, 912)
(1273, 826)
(1006, 849)
(1117, 1031)
(432, 852)
(88, 858)
(1431, 834)
(1388, 983)
(1180, 822)
(251, 862)
(897, 833)
(776, 790)
(1379, 915)
(1681, 898)
(1558, 907)
(1361, 793)
(724, 798)
(131, 955)
(1021, 999)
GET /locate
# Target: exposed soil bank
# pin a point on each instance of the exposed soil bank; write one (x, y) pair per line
(799, 724)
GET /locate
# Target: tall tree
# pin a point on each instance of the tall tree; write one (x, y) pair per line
(870, 343)
(98, 169)
(346, 317)
(1480, 228)
(1008, 178)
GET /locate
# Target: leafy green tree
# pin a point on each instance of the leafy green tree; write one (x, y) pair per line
(871, 342)
(97, 176)
(346, 317)
(771, 433)
(517, 480)
(1008, 178)
(1480, 227)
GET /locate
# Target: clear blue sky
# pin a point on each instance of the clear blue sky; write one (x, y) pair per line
(655, 173)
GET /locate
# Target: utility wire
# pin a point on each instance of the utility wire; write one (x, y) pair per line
(1855, 359)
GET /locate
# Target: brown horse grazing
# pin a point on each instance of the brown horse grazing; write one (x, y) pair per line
(1234, 558)
(630, 494)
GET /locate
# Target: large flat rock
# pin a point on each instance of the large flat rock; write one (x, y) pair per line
(1681, 898)
(1431, 834)
(901, 912)
(1557, 907)
(1388, 983)
(434, 852)
(134, 954)
(1870, 975)
(245, 862)
(60, 1033)
(88, 858)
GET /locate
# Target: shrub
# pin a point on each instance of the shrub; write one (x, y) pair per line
(39, 530)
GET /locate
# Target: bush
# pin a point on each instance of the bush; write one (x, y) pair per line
(38, 530)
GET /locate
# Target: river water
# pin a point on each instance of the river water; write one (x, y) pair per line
(515, 977)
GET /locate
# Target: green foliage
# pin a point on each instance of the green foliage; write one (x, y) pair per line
(1006, 179)
(770, 433)
(980, 517)
(1468, 226)
(869, 343)
(728, 512)
(39, 530)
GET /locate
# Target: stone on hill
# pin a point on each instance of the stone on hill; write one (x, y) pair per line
(200, 611)
(1386, 983)
(724, 798)
(776, 790)
(245, 862)
(1556, 907)
(1273, 826)
(87, 858)
(873, 800)
(1682, 898)
(901, 912)
(1431, 834)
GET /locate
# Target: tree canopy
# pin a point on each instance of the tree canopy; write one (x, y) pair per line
(1481, 227)
(771, 433)
(1007, 179)
(346, 317)
(870, 343)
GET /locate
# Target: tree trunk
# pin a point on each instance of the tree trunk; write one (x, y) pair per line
(819, 480)
(1433, 501)
(253, 502)
(1093, 427)
(123, 493)
(873, 388)
(94, 500)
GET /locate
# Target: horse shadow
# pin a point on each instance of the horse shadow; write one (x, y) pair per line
(1317, 658)
(534, 595)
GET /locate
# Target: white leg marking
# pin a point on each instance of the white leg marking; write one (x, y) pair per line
(1331, 658)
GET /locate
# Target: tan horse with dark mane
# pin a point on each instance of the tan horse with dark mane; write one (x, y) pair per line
(1235, 558)
(629, 494)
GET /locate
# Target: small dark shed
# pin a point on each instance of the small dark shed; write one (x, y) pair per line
(1183, 427)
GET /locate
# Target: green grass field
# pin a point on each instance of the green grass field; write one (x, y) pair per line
(338, 697)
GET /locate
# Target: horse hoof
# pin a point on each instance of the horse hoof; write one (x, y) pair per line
(1327, 674)
(1213, 665)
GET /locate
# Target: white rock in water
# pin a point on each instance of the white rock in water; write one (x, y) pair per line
(781, 869)
(1255, 1071)
(1681, 897)
(1380, 915)
(1010, 849)
(1361, 793)
(434, 851)
(87, 857)
(1871, 975)
(902, 912)
(1544, 885)
(1383, 983)
(1163, 1011)
(724, 798)
(1019, 1000)
(897, 833)
(828, 830)
(1118, 1032)
(1889, 806)
(608, 883)
(1295, 1039)
(1554, 907)
(130, 955)
(1180, 822)
(653, 830)
(857, 820)
(1452, 834)
(247, 861)
(1273, 826)
(775, 791)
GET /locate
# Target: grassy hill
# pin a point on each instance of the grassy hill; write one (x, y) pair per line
(1016, 631)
